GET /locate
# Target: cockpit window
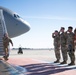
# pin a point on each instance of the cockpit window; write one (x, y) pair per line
(16, 16)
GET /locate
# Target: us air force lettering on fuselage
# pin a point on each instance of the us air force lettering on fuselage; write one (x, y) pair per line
(14, 23)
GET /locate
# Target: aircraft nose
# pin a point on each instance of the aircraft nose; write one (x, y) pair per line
(27, 25)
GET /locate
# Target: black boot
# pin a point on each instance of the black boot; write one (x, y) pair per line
(57, 61)
(72, 63)
(64, 62)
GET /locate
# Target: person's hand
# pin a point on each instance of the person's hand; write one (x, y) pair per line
(12, 44)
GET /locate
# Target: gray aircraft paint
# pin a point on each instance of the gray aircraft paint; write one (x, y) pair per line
(14, 23)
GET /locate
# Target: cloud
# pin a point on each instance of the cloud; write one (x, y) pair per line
(52, 18)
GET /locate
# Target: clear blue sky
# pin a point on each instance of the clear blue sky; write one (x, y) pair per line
(44, 16)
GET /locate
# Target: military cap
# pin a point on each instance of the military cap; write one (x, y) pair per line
(70, 27)
(56, 31)
(62, 28)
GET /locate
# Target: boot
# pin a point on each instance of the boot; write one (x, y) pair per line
(72, 63)
(5, 58)
(57, 61)
(64, 62)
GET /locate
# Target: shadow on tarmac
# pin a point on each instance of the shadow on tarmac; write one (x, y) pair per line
(45, 69)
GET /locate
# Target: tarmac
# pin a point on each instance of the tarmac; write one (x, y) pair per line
(36, 62)
(8, 69)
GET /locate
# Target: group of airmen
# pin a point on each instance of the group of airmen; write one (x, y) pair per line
(66, 42)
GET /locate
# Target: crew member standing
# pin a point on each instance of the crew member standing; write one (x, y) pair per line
(6, 41)
(56, 37)
(71, 47)
(75, 38)
(63, 42)
(20, 50)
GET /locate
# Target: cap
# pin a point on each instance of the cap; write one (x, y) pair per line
(62, 28)
(75, 30)
(56, 31)
(70, 27)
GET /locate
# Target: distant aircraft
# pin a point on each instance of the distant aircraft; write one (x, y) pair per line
(14, 23)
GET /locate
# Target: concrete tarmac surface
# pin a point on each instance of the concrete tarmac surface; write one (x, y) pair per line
(8, 69)
(35, 62)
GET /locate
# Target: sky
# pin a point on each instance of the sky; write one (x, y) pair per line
(44, 17)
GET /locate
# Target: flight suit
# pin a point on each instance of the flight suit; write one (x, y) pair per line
(6, 41)
(63, 42)
(71, 48)
(57, 46)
